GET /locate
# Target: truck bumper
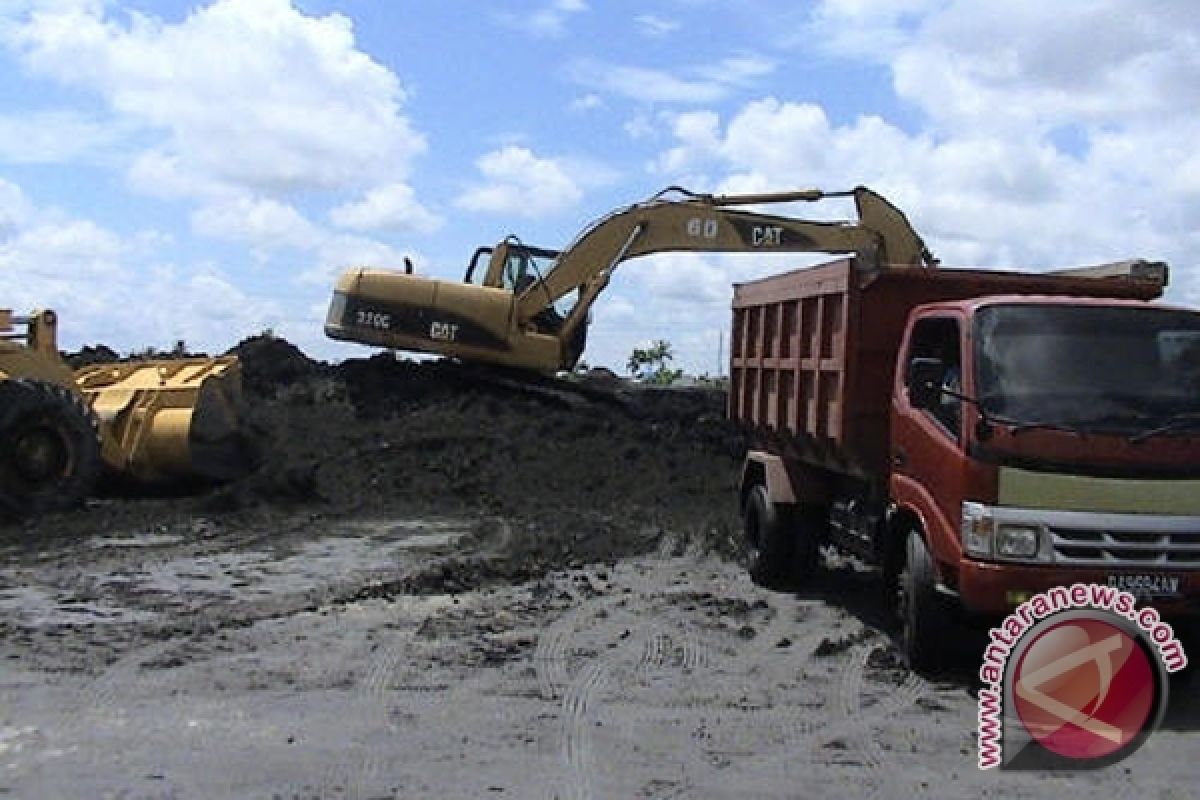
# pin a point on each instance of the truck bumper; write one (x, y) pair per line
(991, 589)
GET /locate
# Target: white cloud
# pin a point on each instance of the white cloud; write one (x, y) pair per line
(162, 174)
(78, 252)
(706, 83)
(1101, 61)
(520, 183)
(645, 84)
(14, 208)
(250, 108)
(391, 207)
(979, 200)
(1068, 140)
(98, 282)
(690, 278)
(549, 19)
(338, 252)
(869, 29)
(55, 137)
(742, 70)
(615, 309)
(640, 126)
(587, 102)
(655, 26)
(249, 93)
(219, 312)
(257, 221)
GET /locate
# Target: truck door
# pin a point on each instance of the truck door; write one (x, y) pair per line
(928, 461)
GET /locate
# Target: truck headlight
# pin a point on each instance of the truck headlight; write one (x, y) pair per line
(1016, 541)
(977, 529)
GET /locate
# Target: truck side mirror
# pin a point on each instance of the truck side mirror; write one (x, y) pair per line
(925, 379)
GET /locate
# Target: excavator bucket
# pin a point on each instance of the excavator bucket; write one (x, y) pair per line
(170, 419)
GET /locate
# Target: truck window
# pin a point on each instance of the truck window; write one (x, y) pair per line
(1106, 369)
(938, 338)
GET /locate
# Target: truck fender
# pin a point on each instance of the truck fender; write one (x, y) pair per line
(915, 506)
(768, 470)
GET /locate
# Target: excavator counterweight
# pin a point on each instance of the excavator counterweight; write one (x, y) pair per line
(527, 307)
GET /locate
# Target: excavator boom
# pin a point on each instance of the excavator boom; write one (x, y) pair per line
(513, 316)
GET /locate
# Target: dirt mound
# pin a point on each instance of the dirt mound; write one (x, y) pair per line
(270, 363)
(91, 354)
(573, 472)
(379, 432)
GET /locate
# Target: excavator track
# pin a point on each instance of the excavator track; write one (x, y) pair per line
(569, 393)
(49, 448)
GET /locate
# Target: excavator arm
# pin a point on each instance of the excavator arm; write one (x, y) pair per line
(676, 220)
(507, 311)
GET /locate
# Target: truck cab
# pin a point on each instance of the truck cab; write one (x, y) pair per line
(1068, 452)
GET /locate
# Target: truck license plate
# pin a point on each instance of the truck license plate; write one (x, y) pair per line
(1147, 585)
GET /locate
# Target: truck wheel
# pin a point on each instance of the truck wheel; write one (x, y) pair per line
(922, 612)
(781, 540)
(49, 448)
(769, 545)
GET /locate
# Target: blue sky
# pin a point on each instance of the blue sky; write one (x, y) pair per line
(202, 171)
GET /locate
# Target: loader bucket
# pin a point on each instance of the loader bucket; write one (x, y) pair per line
(170, 420)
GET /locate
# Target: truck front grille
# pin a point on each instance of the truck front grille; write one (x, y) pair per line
(1125, 548)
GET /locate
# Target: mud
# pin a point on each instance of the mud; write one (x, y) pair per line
(540, 474)
(441, 583)
(578, 473)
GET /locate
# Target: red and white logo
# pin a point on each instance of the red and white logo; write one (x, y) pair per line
(1084, 688)
(1076, 678)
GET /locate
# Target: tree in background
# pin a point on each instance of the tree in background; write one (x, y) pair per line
(649, 364)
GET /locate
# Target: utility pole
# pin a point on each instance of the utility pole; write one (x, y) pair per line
(720, 352)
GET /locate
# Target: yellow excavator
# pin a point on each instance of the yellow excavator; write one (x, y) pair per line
(527, 307)
(151, 422)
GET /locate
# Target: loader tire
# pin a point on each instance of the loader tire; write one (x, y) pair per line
(49, 448)
(924, 615)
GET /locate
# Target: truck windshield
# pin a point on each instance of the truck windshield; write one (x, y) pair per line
(1105, 369)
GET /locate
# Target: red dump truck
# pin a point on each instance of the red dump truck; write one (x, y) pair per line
(978, 435)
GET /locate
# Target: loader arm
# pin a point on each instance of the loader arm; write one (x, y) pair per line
(679, 221)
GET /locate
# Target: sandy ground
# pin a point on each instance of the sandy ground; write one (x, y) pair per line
(442, 585)
(346, 657)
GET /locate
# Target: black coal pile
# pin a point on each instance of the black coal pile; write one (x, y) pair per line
(570, 473)
(271, 365)
(89, 355)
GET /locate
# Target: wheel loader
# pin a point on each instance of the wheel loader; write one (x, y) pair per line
(150, 422)
(528, 307)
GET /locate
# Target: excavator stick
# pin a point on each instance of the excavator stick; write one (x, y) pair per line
(169, 420)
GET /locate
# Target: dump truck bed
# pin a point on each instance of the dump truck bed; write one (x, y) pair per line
(813, 351)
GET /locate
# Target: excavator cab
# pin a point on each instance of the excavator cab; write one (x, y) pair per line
(522, 269)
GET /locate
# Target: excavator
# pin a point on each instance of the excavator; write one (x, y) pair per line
(148, 422)
(528, 307)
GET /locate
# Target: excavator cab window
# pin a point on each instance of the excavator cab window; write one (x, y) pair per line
(517, 273)
(526, 266)
(477, 269)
